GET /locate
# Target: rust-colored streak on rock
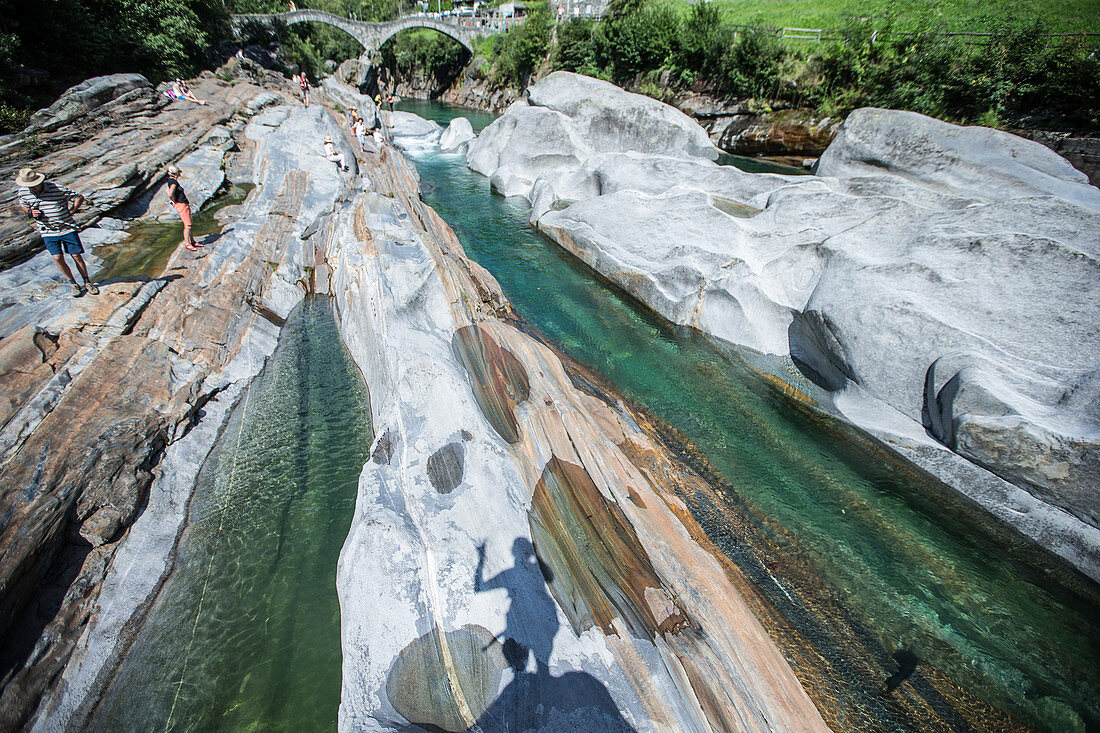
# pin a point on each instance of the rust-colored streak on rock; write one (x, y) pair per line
(600, 569)
(496, 376)
(53, 494)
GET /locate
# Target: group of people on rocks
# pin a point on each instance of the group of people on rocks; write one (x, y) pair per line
(51, 206)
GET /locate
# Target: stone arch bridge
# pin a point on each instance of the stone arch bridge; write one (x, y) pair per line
(371, 35)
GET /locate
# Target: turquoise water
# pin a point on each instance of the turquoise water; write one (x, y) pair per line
(861, 556)
(245, 634)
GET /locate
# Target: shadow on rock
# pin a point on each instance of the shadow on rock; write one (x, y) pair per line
(420, 685)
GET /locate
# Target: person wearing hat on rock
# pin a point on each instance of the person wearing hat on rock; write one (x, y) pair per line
(52, 206)
(179, 202)
(333, 154)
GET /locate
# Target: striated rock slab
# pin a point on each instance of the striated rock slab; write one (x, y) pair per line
(458, 133)
(504, 539)
(115, 148)
(113, 401)
(949, 272)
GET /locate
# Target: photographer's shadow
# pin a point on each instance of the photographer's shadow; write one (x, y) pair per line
(540, 701)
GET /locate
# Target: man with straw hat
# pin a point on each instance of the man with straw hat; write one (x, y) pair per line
(48, 204)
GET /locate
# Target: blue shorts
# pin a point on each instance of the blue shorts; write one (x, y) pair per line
(70, 240)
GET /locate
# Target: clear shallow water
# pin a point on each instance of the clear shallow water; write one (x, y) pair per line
(860, 556)
(145, 252)
(245, 634)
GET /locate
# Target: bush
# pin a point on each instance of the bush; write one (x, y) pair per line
(576, 46)
(638, 40)
(518, 51)
(752, 67)
(704, 42)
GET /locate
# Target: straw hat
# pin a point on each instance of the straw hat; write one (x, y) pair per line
(29, 178)
(328, 139)
(173, 170)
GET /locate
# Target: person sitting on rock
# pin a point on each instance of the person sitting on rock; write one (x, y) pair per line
(178, 198)
(184, 92)
(334, 155)
(48, 204)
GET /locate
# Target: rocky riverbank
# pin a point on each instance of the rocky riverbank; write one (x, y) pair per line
(931, 279)
(611, 610)
(794, 137)
(113, 400)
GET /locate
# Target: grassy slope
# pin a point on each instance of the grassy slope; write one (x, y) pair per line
(1062, 16)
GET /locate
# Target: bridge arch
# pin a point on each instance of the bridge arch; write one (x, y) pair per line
(370, 35)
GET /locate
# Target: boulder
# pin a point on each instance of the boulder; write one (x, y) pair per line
(978, 162)
(612, 119)
(84, 97)
(952, 273)
(412, 132)
(523, 144)
(568, 118)
(458, 133)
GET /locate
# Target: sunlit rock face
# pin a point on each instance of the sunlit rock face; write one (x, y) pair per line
(948, 274)
(136, 384)
(568, 118)
(458, 133)
(412, 132)
(508, 565)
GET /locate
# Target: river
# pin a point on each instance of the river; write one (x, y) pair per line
(868, 564)
(245, 634)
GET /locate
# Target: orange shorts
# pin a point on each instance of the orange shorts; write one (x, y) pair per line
(184, 211)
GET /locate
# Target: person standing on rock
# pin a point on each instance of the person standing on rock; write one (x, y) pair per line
(182, 205)
(303, 84)
(360, 130)
(52, 207)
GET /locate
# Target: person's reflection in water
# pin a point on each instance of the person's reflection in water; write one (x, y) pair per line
(539, 701)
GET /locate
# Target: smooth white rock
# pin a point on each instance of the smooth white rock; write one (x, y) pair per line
(458, 133)
(412, 132)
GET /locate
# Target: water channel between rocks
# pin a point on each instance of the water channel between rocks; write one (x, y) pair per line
(149, 244)
(867, 564)
(245, 634)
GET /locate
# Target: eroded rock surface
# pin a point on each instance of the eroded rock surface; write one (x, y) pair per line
(947, 272)
(545, 576)
(111, 401)
(113, 138)
(567, 119)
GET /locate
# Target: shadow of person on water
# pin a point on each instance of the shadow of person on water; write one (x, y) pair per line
(539, 700)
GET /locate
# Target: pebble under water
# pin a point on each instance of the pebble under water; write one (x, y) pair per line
(245, 634)
(864, 568)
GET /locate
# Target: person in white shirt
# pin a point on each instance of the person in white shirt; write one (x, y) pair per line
(334, 155)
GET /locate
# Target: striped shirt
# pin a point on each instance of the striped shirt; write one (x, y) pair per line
(53, 201)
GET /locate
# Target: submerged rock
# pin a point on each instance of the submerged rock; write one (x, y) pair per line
(951, 273)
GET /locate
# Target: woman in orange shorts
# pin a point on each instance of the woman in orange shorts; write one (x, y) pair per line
(182, 206)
